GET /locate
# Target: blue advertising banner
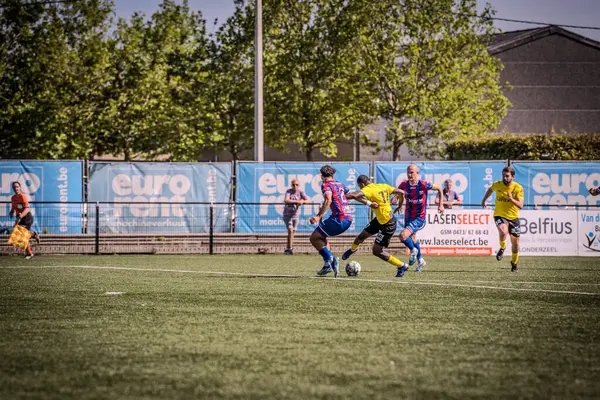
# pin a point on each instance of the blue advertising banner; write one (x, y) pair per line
(471, 179)
(165, 183)
(268, 182)
(558, 183)
(45, 181)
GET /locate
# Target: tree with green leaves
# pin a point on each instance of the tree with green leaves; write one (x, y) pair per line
(53, 61)
(180, 42)
(315, 95)
(435, 79)
(230, 89)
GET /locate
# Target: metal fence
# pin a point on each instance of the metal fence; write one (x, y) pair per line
(180, 228)
(163, 228)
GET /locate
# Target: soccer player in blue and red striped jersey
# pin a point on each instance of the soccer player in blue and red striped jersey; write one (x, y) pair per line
(415, 213)
(335, 198)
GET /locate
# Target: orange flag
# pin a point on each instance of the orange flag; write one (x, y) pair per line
(19, 237)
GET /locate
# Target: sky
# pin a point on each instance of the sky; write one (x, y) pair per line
(571, 12)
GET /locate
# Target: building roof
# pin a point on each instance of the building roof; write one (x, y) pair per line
(509, 40)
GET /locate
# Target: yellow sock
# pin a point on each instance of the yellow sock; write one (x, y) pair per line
(355, 246)
(515, 258)
(394, 261)
(503, 244)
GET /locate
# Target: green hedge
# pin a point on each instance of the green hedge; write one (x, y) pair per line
(527, 147)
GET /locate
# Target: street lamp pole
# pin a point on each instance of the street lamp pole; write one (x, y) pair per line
(259, 148)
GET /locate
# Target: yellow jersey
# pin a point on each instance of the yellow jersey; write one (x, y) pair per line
(504, 207)
(380, 193)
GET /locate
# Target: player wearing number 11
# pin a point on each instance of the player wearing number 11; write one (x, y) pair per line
(384, 223)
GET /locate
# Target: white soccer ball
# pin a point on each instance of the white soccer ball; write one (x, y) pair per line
(353, 268)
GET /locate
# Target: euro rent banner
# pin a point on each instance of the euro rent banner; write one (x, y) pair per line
(471, 178)
(165, 183)
(558, 183)
(268, 182)
(45, 181)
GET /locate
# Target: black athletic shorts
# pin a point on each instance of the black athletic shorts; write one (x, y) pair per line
(384, 232)
(26, 221)
(513, 225)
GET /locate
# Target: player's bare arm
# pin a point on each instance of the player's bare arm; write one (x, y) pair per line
(486, 196)
(400, 199)
(361, 198)
(323, 210)
(517, 202)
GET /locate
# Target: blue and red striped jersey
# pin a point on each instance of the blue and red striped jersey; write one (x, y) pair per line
(339, 203)
(415, 198)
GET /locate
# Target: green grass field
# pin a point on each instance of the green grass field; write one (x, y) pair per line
(222, 327)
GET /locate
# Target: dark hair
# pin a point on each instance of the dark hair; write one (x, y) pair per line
(327, 170)
(511, 170)
(15, 183)
(363, 180)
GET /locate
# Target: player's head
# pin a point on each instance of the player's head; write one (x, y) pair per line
(412, 172)
(508, 174)
(363, 181)
(327, 171)
(448, 184)
(295, 184)
(16, 187)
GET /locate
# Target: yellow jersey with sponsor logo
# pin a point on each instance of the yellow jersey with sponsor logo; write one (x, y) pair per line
(504, 207)
(380, 193)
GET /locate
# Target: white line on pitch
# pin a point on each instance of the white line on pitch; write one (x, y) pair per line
(242, 274)
(521, 282)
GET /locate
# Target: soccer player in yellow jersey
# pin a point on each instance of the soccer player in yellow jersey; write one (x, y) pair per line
(509, 200)
(383, 225)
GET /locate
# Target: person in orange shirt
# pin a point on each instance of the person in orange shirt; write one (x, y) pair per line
(20, 208)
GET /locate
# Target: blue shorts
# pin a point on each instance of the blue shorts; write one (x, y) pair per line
(414, 225)
(333, 226)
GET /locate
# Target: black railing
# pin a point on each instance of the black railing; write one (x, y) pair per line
(162, 227)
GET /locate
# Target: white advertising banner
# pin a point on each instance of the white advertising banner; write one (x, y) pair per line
(547, 233)
(458, 232)
(589, 233)
(543, 233)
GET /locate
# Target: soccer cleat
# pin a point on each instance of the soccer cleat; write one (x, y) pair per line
(413, 256)
(513, 267)
(401, 271)
(335, 265)
(289, 252)
(422, 263)
(325, 270)
(348, 253)
(500, 254)
(29, 256)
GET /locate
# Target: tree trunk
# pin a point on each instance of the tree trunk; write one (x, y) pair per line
(396, 150)
(309, 154)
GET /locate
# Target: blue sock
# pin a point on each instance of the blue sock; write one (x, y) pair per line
(326, 254)
(418, 247)
(409, 243)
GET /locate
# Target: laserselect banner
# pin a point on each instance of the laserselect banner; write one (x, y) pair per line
(558, 183)
(134, 186)
(267, 183)
(543, 233)
(458, 232)
(45, 181)
(471, 179)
